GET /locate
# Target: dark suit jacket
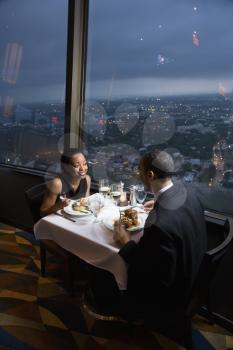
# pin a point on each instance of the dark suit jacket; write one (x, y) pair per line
(164, 263)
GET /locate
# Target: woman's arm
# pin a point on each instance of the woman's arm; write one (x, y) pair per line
(88, 179)
(49, 204)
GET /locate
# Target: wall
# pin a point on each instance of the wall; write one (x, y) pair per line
(13, 205)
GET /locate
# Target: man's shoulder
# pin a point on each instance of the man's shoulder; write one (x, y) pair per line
(174, 197)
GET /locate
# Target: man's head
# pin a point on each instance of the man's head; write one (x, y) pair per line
(156, 169)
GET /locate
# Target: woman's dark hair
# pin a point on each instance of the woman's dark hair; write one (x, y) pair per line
(160, 162)
(67, 155)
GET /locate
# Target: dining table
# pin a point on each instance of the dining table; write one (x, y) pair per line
(90, 239)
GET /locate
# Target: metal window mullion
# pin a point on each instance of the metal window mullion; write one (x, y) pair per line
(77, 71)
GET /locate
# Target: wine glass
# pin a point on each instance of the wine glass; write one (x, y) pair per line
(104, 187)
(115, 192)
(140, 193)
(95, 207)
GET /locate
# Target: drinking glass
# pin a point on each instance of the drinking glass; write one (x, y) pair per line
(115, 192)
(140, 193)
(104, 187)
(95, 207)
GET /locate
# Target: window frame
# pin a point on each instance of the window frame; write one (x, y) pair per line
(76, 71)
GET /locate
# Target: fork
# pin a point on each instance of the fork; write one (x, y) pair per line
(65, 217)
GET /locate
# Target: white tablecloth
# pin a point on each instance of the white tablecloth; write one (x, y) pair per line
(91, 241)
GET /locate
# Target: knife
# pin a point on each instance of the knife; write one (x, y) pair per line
(65, 217)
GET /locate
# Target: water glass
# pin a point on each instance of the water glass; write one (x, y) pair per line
(104, 187)
(140, 193)
(95, 207)
(115, 192)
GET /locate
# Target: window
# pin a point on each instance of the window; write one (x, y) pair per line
(159, 74)
(33, 51)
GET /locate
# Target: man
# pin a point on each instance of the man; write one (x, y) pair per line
(163, 264)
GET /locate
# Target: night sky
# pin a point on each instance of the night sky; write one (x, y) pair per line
(135, 47)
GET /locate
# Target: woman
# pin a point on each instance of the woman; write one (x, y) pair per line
(72, 183)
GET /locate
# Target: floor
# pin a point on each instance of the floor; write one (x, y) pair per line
(38, 313)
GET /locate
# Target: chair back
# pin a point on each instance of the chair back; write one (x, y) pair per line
(216, 229)
(212, 259)
(34, 197)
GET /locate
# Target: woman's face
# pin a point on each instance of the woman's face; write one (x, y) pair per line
(79, 165)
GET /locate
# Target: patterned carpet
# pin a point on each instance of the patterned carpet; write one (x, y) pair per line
(38, 313)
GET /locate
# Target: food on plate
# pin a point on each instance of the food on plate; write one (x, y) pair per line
(81, 205)
(129, 218)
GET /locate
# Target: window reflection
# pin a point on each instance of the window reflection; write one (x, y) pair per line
(12, 62)
(172, 66)
(32, 67)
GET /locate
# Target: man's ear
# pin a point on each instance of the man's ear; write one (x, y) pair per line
(151, 175)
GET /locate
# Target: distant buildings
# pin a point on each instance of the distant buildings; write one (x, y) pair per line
(22, 114)
(202, 140)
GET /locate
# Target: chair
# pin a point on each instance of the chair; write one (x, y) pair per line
(217, 232)
(34, 197)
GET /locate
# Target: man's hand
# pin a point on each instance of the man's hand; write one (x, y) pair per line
(148, 206)
(120, 234)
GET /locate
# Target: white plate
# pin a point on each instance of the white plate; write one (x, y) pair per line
(69, 210)
(136, 228)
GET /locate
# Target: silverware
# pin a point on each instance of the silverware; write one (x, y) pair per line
(85, 211)
(65, 217)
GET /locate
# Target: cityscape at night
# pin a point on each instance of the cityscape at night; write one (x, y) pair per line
(196, 129)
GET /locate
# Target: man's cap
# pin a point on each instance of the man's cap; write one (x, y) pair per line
(163, 162)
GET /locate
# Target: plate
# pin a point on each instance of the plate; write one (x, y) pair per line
(109, 223)
(69, 210)
(136, 228)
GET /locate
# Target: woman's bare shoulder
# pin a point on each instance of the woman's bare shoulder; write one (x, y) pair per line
(55, 185)
(88, 179)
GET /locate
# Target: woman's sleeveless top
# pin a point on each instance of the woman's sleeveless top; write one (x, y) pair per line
(70, 193)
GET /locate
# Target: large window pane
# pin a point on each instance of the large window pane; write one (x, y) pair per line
(32, 81)
(159, 73)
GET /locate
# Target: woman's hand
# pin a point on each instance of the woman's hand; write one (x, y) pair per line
(63, 201)
(120, 234)
(149, 205)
